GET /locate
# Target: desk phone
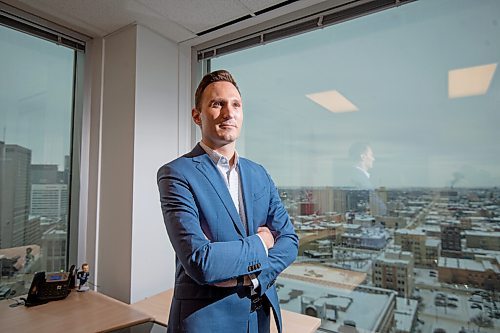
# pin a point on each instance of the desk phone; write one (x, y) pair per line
(47, 287)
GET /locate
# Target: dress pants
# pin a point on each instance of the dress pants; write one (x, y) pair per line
(260, 321)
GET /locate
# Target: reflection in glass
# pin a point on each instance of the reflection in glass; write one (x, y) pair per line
(410, 242)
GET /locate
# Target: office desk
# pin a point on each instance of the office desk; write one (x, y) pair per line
(79, 313)
(158, 307)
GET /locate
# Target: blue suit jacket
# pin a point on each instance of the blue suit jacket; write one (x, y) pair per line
(211, 244)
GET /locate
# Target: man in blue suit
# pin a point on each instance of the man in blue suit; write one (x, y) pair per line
(230, 232)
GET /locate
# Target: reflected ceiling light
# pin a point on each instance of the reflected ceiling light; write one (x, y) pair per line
(333, 101)
(470, 81)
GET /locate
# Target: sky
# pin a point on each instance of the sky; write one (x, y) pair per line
(36, 96)
(393, 65)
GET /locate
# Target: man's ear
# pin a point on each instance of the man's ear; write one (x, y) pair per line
(196, 116)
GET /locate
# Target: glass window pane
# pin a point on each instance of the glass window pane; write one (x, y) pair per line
(381, 134)
(36, 98)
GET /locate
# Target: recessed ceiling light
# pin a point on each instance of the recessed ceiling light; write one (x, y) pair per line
(470, 81)
(333, 101)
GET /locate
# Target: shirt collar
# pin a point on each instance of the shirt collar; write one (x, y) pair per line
(218, 158)
(363, 171)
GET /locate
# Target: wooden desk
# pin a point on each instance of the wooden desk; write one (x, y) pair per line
(79, 312)
(158, 307)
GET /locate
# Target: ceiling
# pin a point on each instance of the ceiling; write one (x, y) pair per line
(177, 20)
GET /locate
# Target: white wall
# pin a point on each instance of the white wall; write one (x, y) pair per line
(135, 120)
(117, 165)
(155, 143)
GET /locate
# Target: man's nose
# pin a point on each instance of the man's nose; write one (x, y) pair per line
(228, 111)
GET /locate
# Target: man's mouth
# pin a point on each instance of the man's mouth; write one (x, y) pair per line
(226, 125)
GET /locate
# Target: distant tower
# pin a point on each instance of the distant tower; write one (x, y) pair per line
(14, 194)
(378, 202)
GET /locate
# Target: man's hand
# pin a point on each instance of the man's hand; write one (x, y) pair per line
(267, 236)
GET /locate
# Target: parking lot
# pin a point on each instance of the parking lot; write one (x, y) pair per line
(453, 311)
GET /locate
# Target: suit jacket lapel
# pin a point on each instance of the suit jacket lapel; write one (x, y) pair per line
(247, 195)
(210, 171)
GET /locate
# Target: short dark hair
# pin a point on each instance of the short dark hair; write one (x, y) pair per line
(216, 76)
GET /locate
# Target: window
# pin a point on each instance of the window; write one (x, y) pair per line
(401, 104)
(38, 98)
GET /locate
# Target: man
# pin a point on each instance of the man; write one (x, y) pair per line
(230, 232)
(362, 156)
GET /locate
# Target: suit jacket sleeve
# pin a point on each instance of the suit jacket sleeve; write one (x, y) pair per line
(206, 262)
(284, 251)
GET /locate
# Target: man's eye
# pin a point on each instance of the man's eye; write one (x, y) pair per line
(236, 105)
(216, 104)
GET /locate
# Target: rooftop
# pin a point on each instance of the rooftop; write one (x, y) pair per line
(341, 304)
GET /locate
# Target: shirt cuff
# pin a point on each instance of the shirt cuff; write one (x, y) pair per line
(264, 244)
(255, 281)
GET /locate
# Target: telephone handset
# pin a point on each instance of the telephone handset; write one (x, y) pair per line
(47, 287)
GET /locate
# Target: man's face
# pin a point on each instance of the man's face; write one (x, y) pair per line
(221, 114)
(367, 158)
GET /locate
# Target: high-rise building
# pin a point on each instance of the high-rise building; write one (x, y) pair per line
(49, 200)
(394, 270)
(14, 194)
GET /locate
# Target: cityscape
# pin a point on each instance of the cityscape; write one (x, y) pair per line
(370, 260)
(395, 260)
(33, 218)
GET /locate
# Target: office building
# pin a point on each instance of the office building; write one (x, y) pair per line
(450, 239)
(50, 201)
(365, 238)
(393, 269)
(484, 274)
(412, 241)
(14, 194)
(486, 240)
(54, 248)
(432, 251)
(392, 222)
(44, 174)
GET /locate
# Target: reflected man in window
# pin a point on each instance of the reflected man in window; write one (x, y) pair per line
(362, 156)
(225, 220)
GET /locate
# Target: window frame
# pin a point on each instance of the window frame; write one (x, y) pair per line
(24, 22)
